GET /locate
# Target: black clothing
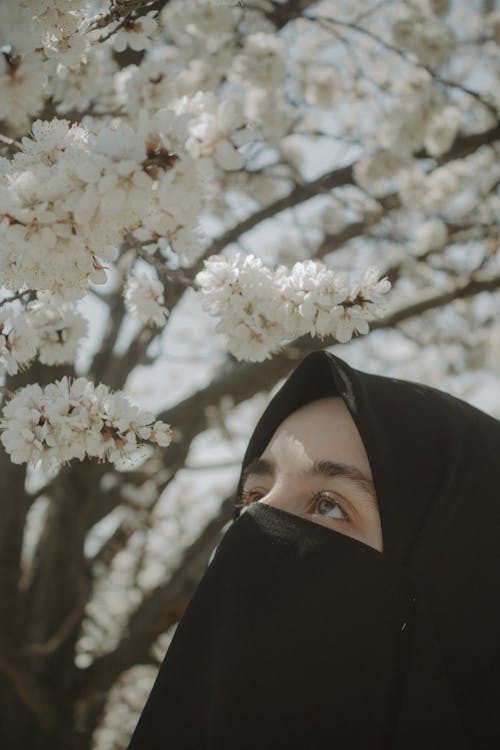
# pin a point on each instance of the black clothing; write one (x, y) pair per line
(300, 638)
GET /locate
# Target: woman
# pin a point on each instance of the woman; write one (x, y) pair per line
(356, 601)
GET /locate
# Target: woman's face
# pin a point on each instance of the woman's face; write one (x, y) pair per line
(316, 467)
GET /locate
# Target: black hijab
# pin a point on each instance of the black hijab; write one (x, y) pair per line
(300, 638)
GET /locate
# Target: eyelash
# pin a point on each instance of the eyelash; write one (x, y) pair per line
(318, 496)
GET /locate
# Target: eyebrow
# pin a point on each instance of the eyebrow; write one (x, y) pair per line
(264, 467)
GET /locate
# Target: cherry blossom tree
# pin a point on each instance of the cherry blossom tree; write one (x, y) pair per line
(194, 194)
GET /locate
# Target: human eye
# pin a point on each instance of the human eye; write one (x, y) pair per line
(249, 496)
(328, 504)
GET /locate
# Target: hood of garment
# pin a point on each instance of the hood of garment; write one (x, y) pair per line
(298, 635)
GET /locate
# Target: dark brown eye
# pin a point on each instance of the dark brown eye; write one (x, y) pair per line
(251, 496)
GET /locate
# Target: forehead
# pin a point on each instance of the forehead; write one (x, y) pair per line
(321, 430)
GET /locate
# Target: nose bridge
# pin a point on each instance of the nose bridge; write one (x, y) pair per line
(285, 493)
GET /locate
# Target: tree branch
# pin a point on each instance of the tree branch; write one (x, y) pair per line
(16, 296)
(462, 146)
(29, 690)
(408, 57)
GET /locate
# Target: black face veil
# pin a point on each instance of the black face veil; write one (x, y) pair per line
(300, 638)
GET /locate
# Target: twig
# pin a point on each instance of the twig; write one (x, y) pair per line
(10, 141)
(370, 11)
(119, 9)
(16, 296)
(35, 695)
(340, 177)
(56, 641)
(126, 10)
(408, 57)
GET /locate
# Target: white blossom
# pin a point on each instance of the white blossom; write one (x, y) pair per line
(261, 61)
(432, 192)
(59, 329)
(18, 342)
(331, 218)
(441, 129)
(273, 123)
(75, 419)
(431, 235)
(71, 193)
(87, 85)
(161, 434)
(200, 26)
(217, 128)
(22, 88)
(150, 86)
(144, 299)
(258, 309)
(41, 41)
(137, 34)
(373, 172)
(48, 328)
(415, 27)
(240, 292)
(321, 85)
(309, 293)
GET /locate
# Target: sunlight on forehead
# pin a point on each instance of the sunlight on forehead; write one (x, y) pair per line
(295, 449)
(320, 430)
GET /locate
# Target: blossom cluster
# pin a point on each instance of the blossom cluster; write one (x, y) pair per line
(138, 35)
(75, 419)
(144, 298)
(418, 28)
(258, 309)
(41, 41)
(48, 328)
(217, 128)
(69, 196)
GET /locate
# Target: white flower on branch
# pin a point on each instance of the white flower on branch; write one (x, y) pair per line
(41, 40)
(375, 171)
(75, 419)
(309, 294)
(22, 88)
(171, 221)
(331, 218)
(261, 62)
(198, 27)
(241, 293)
(72, 191)
(258, 309)
(149, 86)
(433, 191)
(163, 231)
(59, 329)
(272, 122)
(89, 84)
(431, 235)
(161, 434)
(18, 343)
(416, 28)
(441, 129)
(42, 246)
(137, 34)
(144, 299)
(49, 328)
(321, 85)
(217, 128)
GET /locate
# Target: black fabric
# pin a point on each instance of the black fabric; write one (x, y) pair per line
(299, 637)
